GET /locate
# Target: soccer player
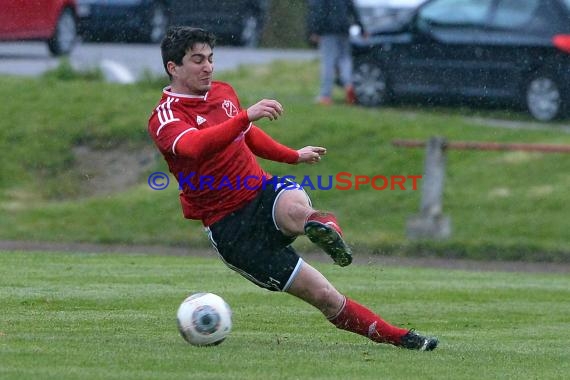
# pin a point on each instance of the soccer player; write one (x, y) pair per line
(210, 144)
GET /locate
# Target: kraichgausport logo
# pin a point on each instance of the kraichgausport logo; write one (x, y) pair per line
(341, 181)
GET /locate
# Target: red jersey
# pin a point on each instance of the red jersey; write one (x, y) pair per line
(215, 184)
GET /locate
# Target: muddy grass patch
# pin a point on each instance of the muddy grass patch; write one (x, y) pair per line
(112, 170)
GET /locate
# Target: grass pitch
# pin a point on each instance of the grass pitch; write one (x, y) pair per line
(94, 316)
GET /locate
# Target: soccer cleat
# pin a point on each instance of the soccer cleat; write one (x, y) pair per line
(323, 230)
(414, 341)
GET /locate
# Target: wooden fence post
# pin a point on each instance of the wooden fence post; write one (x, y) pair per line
(430, 223)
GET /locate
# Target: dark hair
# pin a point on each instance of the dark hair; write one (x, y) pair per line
(180, 39)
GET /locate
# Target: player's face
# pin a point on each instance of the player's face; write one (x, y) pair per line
(194, 76)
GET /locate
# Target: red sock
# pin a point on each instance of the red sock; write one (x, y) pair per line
(358, 319)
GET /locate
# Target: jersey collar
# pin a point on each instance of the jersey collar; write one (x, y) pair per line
(167, 91)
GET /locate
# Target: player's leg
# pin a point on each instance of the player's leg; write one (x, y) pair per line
(311, 286)
(291, 210)
(294, 216)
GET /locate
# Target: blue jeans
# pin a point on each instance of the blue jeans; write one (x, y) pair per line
(335, 53)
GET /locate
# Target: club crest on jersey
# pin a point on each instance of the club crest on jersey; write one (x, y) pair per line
(230, 108)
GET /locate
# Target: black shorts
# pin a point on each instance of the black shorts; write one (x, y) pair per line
(249, 242)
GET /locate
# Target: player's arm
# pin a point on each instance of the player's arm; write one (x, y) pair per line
(262, 145)
(196, 143)
(265, 147)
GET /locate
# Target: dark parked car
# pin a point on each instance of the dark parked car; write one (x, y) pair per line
(376, 14)
(238, 22)
(53, 21)
(513, 52)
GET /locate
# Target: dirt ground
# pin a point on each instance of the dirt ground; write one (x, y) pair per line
(360, 258)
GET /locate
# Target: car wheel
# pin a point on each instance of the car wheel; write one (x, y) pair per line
(157, 24)
(65, 35)
(543, 98)
(370, 86)
(251, 30)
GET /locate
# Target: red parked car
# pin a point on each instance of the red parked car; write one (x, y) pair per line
(53, 21)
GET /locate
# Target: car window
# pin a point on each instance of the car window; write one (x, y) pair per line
(455, 13)
(514, 13)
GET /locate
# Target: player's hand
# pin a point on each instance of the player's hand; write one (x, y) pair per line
(268, 108)
(311, 154)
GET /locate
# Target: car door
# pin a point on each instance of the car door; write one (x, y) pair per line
(207, 14)
(444, 56)
(191, 13)
(236, 21)
(26, 18)
(517, 33)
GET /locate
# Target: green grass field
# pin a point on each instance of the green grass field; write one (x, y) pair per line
(96, 316)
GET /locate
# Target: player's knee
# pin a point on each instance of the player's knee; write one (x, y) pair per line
(291, 219)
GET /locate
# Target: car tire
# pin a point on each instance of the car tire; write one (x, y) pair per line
(370, 84)
(543, 98)
(65, 35)
(158, 22)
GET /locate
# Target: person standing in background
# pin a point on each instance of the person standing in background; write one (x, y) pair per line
(328, 24)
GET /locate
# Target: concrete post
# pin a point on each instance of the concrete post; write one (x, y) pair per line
(431, 223)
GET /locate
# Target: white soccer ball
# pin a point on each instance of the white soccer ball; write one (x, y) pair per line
(204, 319)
